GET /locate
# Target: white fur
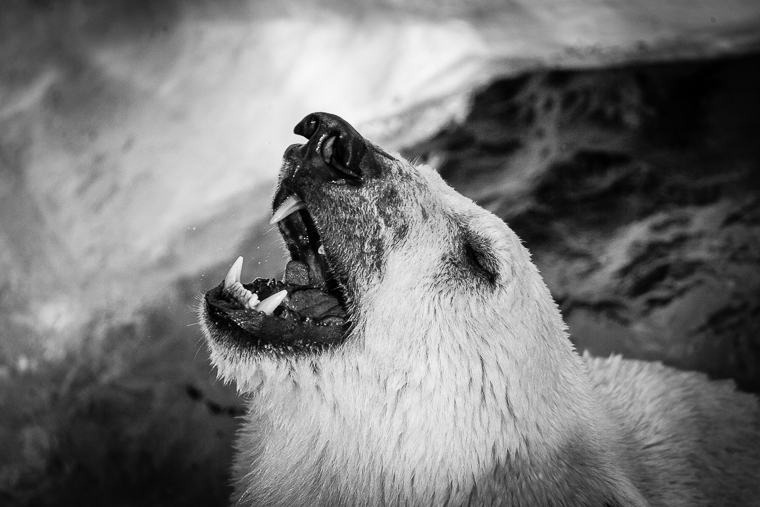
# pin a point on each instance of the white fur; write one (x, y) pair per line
(436, 389)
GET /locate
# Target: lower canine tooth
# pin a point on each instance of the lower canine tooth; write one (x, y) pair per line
(269, 304)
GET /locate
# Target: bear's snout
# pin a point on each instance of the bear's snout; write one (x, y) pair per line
(334, 150)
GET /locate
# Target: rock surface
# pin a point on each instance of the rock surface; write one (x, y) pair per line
(638, 192)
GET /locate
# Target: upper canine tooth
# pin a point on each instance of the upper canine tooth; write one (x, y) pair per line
(233, 275)
(292, 204)
(269, 304)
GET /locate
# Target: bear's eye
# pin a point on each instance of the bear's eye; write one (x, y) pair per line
(478, 256)
(479, 262)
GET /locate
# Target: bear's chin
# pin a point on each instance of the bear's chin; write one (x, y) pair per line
(308, 319)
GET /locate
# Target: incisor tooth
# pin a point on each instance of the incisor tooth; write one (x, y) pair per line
(233, 275)
(269, 304)
(292, 204)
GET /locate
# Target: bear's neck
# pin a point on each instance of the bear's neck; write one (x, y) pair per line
(412, 411)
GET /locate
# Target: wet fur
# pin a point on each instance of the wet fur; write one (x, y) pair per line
(459, 386)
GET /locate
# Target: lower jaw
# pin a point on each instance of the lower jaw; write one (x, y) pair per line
(307, 320)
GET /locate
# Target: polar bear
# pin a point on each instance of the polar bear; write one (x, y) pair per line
(412, 355)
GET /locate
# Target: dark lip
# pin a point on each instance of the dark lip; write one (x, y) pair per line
(284, 332)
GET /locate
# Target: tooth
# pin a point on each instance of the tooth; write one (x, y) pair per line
(289, 206)
(233, 275)
(253, 302)
(269, 304)
(234, 289)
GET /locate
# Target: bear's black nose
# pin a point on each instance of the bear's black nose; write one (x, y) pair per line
(339, 145)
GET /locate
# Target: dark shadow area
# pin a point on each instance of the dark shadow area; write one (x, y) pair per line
(136, 418)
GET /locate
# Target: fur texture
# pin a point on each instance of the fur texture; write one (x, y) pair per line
(458, 384)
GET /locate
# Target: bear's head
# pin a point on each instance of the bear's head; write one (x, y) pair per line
(411, 351)
(375, 243)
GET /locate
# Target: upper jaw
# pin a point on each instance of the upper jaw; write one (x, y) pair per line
(307, 310)
(334, 154)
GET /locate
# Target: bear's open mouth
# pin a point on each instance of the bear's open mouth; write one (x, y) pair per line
(302, 313)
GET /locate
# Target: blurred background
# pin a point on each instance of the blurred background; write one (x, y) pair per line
(140, 141)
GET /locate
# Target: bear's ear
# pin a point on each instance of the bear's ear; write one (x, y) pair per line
(479, 254)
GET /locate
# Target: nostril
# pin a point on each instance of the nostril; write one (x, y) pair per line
(327, 149)
(340, 155)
